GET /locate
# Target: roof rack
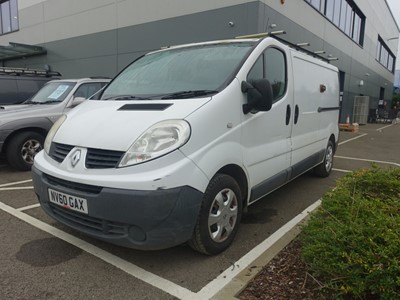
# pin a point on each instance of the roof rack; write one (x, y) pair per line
(298, 46)
(27, 72)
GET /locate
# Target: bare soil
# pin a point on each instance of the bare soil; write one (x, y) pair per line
(285, 277)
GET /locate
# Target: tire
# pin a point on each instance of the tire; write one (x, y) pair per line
(219, 216)
(325, 168)
(22, 149)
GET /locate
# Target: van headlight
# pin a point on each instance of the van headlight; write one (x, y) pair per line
(52, 133)
(158, 140)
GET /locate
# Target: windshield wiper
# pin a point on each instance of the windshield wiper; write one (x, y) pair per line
(125, 97)
(49, 102)
(189, 94)
(31, 102)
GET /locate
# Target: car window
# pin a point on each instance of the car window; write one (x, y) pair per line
(88, 89)
(53, 92)
(271, 65)
(196, 68)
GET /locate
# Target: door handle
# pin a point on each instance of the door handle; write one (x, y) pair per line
(296, 114)
(288, 112)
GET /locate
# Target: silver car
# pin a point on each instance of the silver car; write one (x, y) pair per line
(23, 128)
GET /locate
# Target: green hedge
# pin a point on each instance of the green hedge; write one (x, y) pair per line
(352, 243)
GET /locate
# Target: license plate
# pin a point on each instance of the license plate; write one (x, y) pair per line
(68, 201)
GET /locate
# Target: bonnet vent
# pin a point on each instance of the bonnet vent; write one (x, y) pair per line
(155, 106)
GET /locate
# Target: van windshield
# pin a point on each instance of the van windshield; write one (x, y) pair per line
(179, 73)
(52, 92)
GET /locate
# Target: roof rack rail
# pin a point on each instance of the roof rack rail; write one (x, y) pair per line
(28, 72)
(261, 35)
(298, 46)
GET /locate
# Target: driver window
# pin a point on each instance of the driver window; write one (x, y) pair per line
(271, 65)
(275, 71)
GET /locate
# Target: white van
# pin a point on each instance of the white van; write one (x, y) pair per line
(185, 138)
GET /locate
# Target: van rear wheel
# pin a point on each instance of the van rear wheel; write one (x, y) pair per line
(219, 217)
(22, 149)
(325, 168)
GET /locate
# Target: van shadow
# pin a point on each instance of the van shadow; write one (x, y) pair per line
(260, 216)
(47, 252)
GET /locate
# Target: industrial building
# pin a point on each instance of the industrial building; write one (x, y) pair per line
(100, 37)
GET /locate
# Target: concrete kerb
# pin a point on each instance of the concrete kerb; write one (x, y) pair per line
(271, 247)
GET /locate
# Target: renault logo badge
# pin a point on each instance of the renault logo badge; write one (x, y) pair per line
(76, 157)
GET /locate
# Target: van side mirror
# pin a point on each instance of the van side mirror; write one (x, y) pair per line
(259, 95)
(76, 101)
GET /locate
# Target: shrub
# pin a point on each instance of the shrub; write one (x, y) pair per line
(352, 243)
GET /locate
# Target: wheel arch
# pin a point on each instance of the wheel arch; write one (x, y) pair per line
(238, 174)
(38, 130)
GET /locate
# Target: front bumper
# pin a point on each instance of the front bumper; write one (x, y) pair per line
(138, 219)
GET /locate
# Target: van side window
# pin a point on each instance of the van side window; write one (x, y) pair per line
(271, 65)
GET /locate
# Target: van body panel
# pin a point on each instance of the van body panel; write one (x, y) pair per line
(309, 134)
(266, 138)
(106, 116)
(216, 132)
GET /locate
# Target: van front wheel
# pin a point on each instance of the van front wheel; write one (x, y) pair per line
(325, 168)
(219, 216)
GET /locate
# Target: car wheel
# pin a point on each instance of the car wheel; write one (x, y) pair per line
(22, 149)
(219, 216)
(325, 168)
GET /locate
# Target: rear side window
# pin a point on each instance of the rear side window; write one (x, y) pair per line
(271, 65)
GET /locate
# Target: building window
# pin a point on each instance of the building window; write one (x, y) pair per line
(8, 16)
(345, 15)
(384, 56)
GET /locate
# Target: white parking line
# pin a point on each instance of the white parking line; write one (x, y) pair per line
(352, 139)
(16, 188)
(341, 170)
(379, 129)
(15, 183)
(369, 160)
(137, 272)
(28, 207)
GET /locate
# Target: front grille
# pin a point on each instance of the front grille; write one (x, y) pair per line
(95, 158)
(59, 151)
(88, 223)
(86, 188)
(102, 159)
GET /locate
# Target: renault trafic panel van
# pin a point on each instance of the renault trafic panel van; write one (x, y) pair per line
(185, 138)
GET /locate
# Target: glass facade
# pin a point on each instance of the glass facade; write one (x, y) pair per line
(345, 15)
(8, 16)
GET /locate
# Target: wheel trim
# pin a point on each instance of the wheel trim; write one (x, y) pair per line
(223, 215)
(29, 149)
(329, 159)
